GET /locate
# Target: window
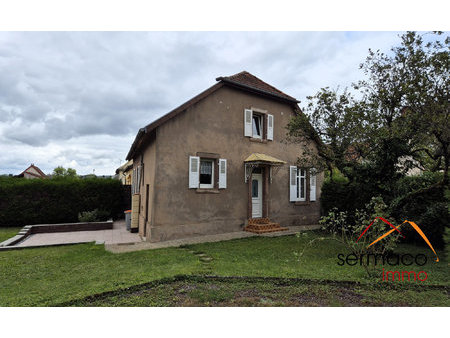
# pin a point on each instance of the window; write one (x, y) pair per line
(301, 184)
(297, 184)
(257, 126)
(206, 174)
(255, 188)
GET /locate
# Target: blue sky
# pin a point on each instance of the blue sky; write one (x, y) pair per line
(77, 99)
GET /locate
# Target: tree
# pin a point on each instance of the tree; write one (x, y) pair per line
(332, 121)
(60, 171)
(401, 115)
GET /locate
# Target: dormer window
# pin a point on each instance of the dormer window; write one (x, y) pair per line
(257, 126)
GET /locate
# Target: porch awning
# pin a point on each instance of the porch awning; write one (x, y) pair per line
(263, 158)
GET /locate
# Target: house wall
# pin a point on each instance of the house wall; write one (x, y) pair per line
(29, 173)
(216, 125)
(149, 160)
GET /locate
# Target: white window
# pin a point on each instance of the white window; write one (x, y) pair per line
(206, 174)
(201, 173)
(257, 126)
(256, 123)
(297, 191)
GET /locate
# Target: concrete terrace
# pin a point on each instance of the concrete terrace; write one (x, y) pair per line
(129, 247)
(118, 234)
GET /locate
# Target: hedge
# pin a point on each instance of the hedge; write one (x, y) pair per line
(429, 210)
(39, 201)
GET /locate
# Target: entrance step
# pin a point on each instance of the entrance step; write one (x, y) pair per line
(263, 225)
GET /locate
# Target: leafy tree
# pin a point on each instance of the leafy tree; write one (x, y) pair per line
(60, 171)
(400, 120)
(406, 99)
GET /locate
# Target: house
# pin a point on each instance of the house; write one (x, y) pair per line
(219, 163)
(124, 173)
(32, 172)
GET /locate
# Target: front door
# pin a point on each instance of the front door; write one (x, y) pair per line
(256, 195)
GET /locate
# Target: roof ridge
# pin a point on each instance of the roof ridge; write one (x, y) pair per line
(247, 79)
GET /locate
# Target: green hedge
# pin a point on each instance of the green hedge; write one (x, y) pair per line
(36, 201)
(429, 210)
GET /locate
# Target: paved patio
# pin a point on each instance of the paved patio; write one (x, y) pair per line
(118, 234)
(129, 247)
(119, 240)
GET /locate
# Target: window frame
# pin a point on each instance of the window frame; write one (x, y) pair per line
(298, 179)
(212, 184)
(260, 117)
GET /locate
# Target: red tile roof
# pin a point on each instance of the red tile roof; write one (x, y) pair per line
(243, 80)
(247, 80)
(41, 174)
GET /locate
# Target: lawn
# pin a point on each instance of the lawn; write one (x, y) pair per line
(6, 233)
(68, 274)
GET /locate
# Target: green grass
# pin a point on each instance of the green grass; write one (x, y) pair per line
(54, 275)
(6, 233)
(220, 292)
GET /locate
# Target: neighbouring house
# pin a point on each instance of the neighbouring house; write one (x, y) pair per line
(124, 173)
(32, 172)
(219, 163)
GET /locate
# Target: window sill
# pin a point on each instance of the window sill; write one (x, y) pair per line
(207, 191)
(254, 139)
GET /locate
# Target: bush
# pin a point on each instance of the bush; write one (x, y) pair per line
(344, 196)
(428, 209)
(93, 216)
(25, 201)
(346, 227)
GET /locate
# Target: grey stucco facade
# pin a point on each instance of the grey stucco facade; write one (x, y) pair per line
(214, 125)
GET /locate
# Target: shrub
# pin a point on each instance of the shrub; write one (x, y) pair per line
(346, 227)
(25, 201)
(93, 216)
(429, 209)
(344, 196)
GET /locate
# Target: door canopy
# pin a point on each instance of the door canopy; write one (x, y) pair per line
(257, 160)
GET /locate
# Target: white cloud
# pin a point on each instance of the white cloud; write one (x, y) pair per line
(78, 99)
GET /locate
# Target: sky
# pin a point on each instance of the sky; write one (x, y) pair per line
(77, 99)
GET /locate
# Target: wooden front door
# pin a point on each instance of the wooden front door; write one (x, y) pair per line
(257, 195)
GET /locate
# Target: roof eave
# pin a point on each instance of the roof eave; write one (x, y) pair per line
(257, 90)
(135, 143)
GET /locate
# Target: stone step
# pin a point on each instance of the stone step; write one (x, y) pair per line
(263, 226)
(261, 231)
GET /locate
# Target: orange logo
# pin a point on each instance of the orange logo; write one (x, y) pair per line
(414, 225)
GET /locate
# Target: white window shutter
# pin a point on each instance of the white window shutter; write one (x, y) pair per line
(248, 122)
(292, 183)
(194, 170)
(270, 127)
(312, 185)
(222, 173)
